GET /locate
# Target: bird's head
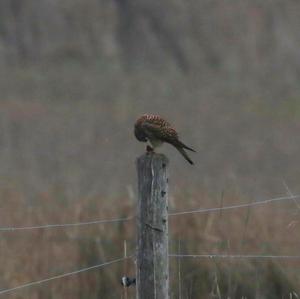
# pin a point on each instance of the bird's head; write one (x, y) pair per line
(140, 134)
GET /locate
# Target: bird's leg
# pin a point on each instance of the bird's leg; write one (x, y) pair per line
(149, 149)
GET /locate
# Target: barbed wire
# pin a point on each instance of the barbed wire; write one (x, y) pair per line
(256, 203)
(5, 291)
(124, 219)
(223, 256)
(290, 193)
(235, 256)
(14, 228)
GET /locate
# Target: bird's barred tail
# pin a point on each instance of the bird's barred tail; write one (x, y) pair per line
(184, 154)
(181, 144)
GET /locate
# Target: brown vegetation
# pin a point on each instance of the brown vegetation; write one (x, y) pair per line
(75, 75)
(37, 254)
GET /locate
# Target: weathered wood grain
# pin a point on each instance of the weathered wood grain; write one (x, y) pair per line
(152, 227)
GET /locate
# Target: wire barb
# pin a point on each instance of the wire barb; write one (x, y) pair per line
(290, 193)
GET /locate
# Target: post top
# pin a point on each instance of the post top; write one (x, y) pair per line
(155, 157)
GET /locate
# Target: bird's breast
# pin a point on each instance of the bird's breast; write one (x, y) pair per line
(155, 142)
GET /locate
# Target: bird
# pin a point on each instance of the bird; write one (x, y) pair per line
(127, 281)
(156, 130)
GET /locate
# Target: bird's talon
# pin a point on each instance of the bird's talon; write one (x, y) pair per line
(149, 149)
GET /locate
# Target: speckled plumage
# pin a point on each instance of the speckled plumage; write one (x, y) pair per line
(156, 130)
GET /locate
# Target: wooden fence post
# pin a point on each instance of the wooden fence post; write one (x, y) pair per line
(152, 227)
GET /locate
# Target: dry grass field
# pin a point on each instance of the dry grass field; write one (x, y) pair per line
(270, 229)
(74, 76)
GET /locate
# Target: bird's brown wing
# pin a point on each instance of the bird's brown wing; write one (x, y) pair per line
(159, 130)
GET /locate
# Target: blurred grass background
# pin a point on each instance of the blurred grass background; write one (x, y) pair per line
(74, 77)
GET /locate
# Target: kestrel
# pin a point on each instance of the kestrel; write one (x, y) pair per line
(156, 130)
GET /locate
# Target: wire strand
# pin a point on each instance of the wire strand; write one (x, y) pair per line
(235, 256)
(46, 226)
(5, 291)
(256, 203)
(14, 228)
